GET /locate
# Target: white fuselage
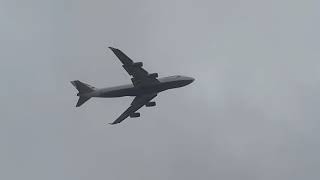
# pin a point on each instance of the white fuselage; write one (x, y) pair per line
(130, 90)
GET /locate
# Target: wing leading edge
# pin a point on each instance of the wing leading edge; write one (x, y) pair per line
(137, 103)
(141, 77)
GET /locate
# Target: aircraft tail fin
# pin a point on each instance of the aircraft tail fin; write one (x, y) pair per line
(83, 88)
(82, 100)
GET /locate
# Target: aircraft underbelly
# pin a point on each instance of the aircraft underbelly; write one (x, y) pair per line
(120, 93)
(134, 91)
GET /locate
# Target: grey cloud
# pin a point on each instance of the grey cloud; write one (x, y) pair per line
(252, 112)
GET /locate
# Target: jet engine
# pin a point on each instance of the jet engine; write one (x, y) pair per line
(150, 104)
(134, 115)
(153, 75)
(135, 81)
(138, 64)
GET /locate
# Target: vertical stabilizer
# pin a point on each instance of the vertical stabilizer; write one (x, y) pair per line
(82, 99)
(83, 89)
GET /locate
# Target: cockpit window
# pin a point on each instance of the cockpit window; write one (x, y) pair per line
(174, 77)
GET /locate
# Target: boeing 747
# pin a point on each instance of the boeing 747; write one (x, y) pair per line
(144, 87)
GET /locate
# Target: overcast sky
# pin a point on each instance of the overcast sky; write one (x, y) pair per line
(252, 113)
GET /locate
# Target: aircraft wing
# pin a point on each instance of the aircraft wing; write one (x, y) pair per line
(141, 77)
(136, 104)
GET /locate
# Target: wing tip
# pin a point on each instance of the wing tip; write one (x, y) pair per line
(73, 83)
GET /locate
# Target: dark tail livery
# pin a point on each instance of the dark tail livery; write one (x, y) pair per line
(83, 89)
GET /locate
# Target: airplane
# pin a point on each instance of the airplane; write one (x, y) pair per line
(144, 87)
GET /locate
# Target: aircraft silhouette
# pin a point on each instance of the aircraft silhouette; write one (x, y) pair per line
(144, 87)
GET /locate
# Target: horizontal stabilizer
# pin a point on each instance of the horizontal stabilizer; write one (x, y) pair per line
(82, 87)
(82, 99)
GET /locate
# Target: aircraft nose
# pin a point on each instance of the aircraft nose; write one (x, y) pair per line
(191, 79)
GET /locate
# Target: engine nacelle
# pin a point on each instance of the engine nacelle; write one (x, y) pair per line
(134, 115)
(153, 75)
(150, 104)
(135, 81)
(138, 64)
